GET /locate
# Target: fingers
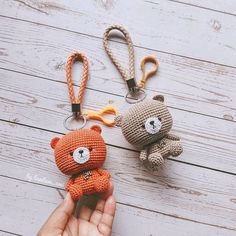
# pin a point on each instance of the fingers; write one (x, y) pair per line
(109, 192)
(107, 218)
(85, 213)
(58, 219)
(109, 211)
(96, 215)
(98, 211)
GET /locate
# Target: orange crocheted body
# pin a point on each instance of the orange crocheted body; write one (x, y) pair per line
(88, 182)
(81, 153)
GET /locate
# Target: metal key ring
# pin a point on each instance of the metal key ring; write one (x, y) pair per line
(83, 117)
(138, 96)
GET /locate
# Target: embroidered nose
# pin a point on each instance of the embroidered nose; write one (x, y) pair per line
(81, 151)
(152, 122)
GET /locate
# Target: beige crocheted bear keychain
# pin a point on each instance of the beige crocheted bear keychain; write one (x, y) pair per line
(147, 123)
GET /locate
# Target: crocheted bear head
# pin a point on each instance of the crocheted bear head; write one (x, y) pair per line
(145, 122)
(79, 150)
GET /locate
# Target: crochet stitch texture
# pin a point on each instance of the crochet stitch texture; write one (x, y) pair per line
(81, 153)
(146, 125)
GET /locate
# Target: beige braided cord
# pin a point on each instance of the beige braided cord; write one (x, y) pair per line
(122, 71)
(70, 61)
(129, 42)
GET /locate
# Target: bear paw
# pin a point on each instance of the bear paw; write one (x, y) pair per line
(69, 184)
(176, 149)
(155, 160)
(102, 184)
(76, 192)
(143, 156)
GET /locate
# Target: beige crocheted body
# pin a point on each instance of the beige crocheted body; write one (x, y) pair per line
(154, 154)
(155, 145)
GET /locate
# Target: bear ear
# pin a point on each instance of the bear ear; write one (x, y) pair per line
(54, 142)
(96, 128)
(118, 120)
(159, 98)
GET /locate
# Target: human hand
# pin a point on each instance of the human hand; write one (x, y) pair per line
(97, 222)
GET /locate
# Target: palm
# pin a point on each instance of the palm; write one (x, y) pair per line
(87, 228)
(80, 227)
(90, 222)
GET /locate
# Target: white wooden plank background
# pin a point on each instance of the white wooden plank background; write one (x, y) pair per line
(189, 31)
(195, 44)
(202, 135)
(209, 90)
(227, 6)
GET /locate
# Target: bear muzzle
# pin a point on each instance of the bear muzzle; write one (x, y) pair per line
(81, 155)
(153, 125)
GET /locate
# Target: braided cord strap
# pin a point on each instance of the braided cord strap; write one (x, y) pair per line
(129, 42)
(136, 92)
(70, 61)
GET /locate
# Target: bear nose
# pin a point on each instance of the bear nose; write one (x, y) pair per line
(152, 122)
(81, 151)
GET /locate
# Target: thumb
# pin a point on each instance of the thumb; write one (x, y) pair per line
(57, 221)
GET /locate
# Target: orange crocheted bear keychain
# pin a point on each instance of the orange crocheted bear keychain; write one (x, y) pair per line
(82, 152)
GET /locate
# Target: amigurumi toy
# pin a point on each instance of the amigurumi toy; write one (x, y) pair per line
(81, 153)
(146, 125)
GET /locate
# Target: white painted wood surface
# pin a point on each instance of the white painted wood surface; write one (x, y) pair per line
(164, 25)
(227, 6)
(167, 191)
(203, 136)
(195, 44)
(40, 197)
(187, 84)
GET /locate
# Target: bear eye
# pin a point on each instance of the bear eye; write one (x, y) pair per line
(159, 118)
(71, 153)
(90, 149)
